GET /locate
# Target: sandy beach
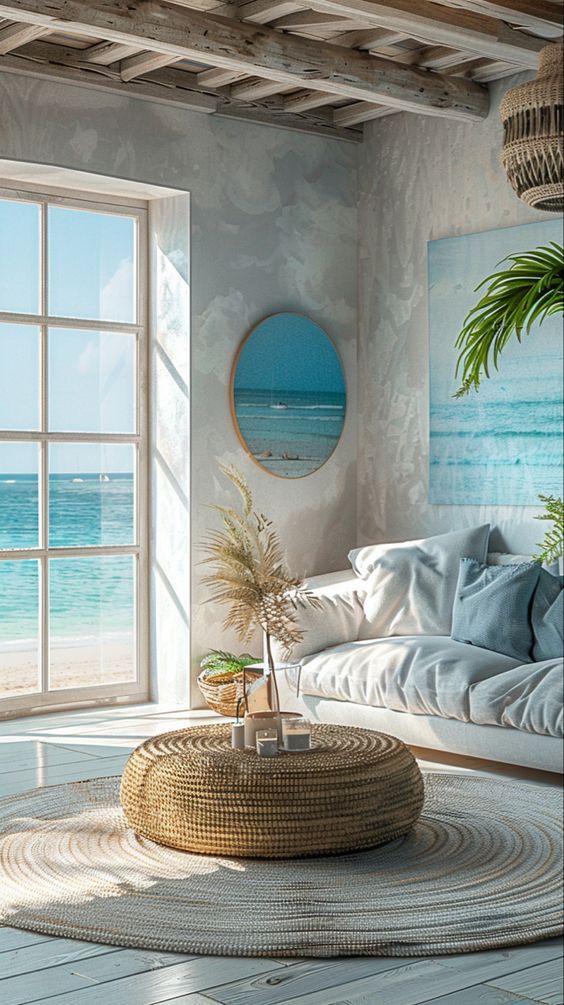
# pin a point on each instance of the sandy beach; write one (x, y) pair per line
(71, 666)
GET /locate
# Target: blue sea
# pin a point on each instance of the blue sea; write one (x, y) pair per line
(496, 452)
(89, 596)
(290, 432)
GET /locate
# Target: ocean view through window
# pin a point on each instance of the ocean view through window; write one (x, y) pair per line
(73, 449)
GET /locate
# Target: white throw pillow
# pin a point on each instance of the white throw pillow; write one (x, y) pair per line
(410, 585)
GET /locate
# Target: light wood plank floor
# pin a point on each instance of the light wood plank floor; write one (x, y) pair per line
(63, 747)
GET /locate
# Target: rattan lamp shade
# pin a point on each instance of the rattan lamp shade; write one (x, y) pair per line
(533, 146)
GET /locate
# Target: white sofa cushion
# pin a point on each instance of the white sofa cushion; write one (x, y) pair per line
(434, 675)
(410, 585)
(335, 618)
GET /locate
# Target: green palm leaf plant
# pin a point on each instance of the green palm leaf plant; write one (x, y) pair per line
(219, 663)
(552, 547)
(249, 574)
(525, 293)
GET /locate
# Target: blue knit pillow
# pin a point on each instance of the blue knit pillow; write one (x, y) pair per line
(492, 607)
(547, 617)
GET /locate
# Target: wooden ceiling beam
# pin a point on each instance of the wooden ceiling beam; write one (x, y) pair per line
(169, 86)
(538, 15)
(370, 38)
(304, 19)
(106, 53)
(440, 25)
(260, 51)
(219, 78)
(263, 11)
(65, 65)
(305, 101)
(255, 89)
(360, 111)
(143, 62)
(16, 35)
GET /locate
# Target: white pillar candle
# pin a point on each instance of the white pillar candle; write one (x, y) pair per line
(238, 736)
(267, 742)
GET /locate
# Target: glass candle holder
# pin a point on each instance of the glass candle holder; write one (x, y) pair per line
(267, 742)
(296, 734)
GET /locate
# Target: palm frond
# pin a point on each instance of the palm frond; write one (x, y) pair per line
(219, 662)
(552, 546)
(518, 297)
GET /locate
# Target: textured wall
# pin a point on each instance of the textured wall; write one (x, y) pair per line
(273, 227)
(420, 179)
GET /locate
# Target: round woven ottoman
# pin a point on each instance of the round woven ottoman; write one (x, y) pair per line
(189, 790)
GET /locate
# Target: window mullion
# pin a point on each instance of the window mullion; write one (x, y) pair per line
(44, 460)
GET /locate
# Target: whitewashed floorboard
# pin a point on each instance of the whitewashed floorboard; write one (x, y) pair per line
(300, 979)
(14, 938)
(53, 953)
(156, 986)
(481, 994)
(412, 983)
(543, 983)
(70, 746)
(95, 767)
(67, 980)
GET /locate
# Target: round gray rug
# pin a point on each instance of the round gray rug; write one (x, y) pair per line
(481, 869)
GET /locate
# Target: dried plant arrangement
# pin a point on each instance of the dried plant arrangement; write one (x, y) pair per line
(250, 575)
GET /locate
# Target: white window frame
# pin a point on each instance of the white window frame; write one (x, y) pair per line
(125, 691)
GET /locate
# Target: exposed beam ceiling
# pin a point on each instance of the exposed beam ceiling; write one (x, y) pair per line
(168, 85)
(435, 23)
(536, 14)
(255, 49)
(325, 66)
(16, 35)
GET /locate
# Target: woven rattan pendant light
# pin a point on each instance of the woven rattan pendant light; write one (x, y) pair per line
(533, 146)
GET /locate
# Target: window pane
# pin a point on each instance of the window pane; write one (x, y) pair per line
(91, 381)
(19, 512)
(19, 256)
(19, 377)
(19, 628)
(92, 265)
(91, 494)
(91, 621)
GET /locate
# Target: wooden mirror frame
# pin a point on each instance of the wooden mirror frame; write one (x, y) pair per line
(232, 409)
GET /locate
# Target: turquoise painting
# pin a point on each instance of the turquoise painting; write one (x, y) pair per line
(502, 445)
(288, 395)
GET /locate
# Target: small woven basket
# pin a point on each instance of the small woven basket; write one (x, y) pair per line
(223, 692)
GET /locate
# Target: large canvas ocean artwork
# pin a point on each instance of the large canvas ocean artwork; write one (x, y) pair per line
(502, 445)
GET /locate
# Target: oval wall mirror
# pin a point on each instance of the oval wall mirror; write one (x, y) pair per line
(288, 395)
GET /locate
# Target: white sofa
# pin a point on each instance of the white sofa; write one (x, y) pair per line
(430, 691)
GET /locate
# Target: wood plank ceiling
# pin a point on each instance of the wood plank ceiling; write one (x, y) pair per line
(324, 66)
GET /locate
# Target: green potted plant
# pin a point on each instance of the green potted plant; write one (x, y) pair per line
(222, 678)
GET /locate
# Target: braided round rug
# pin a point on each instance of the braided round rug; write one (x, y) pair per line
(481, 869)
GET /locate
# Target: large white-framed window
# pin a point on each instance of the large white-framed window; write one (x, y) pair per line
(73, 449)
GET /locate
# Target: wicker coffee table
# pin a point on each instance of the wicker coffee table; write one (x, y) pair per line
(189, 790)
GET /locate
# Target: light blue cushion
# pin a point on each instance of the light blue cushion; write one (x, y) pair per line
(547, 617)
(492, 607)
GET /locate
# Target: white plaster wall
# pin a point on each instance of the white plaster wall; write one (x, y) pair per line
(273, 227)
(420, 179)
